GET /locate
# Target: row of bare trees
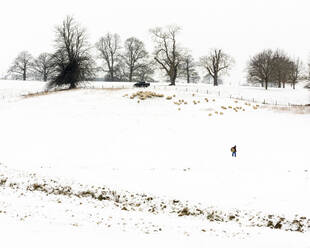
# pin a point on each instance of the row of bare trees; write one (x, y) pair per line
(128, 63)
(177, 61)
(26, 66)
(73, 61)
(274, 67)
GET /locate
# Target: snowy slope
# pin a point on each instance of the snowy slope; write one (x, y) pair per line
(92, 138)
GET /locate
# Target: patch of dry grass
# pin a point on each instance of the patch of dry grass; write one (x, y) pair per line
(142, 95)
(303, 109)
(49, 92)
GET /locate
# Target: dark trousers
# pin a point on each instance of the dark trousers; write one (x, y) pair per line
(234, 154)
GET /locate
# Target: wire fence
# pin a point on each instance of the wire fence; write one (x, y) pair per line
(225, 94)
(10, 97)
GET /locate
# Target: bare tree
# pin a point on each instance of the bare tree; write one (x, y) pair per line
(21, 65)
(43, 66)
(188, 69)
(261, 67)
(71, 61)
(295, 71)
(168, 53)
(135, 56)
(109, 50)
(120, 72)
(282, 67)
(216, 64)
(145, 71)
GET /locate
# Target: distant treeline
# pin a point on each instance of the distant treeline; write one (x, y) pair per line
(75, 60)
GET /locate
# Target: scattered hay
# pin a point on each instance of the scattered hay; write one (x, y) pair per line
(142, 95)
(209, 114)
(206, 99)
(223, 107)
(221, 113)
(168, 97)
(216, 112)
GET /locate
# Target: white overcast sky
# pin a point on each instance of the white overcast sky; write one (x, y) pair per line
(239, 27)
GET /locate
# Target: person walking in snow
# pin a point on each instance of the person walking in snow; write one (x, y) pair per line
(234, 151)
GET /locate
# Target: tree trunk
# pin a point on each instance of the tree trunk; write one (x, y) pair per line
(24, 75)
(172, 81)
(215, 79)
(130, 75)
(266, 84)
(72, 86)
(173, 77)
(283, 84)
(187, 74)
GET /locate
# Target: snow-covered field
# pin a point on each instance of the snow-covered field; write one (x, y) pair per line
(95, 167)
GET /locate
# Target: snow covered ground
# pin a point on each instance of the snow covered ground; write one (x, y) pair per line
(94, 167)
